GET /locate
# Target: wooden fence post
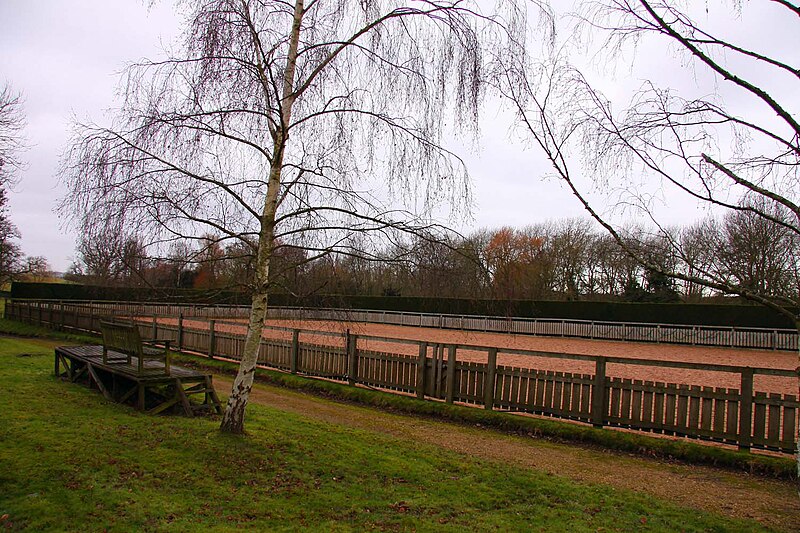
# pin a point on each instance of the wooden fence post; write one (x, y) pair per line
(451, 374)
(295, 351)
(180, 331)
(154, 330)
(746, 410)
(61, 316)
(421, 363)
(488, 384)
(352, 357)
(212, 338)
(599, 393)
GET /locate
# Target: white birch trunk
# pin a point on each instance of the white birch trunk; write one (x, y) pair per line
(233, 418)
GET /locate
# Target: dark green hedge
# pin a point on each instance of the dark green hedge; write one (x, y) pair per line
(702, 314)
(65, 291)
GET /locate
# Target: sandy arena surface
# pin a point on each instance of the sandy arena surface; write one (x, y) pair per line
(662, 352)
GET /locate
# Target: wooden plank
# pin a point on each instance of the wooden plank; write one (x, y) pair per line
(759, 418)
(575, 400)
(439, 351)
(528, 391)
(548, 391)
(212, 395)
(566, 395)
(682, 410)
(671, 409)
(647, 403)
(124, 398)
(558, 388)
(163, 406)
(187, 408)
(625, 408)
(774, 421)
(732, 418)
(516, 378)
(636, 402)
(746, 409)
(450, 384)
(471, 381)
(522, 389)
(706, 410)
(77, 374)
(789, 424)
(599, 393)
(99, 383)
(720, 407)
(352, 358)
(694, 408)
(505, 392)
(586, 402)
(295, 353)
(480, 382)
(616, 393)
(658, 405)
(540, 385)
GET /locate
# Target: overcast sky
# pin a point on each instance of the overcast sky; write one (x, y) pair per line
(65, 56)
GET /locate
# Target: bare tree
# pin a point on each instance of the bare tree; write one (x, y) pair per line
(741, 157)
(287, 122)
(10, 252)
(35, 268)
(12, 122)
(570, 244)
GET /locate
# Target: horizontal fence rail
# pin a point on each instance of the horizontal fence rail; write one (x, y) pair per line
(719, 336)
(740, 416)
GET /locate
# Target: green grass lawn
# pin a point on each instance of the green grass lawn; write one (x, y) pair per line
(69, 460)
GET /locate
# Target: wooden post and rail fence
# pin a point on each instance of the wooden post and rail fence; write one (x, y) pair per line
(722, 336)
(743, 416)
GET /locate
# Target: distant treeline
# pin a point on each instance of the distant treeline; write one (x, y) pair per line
(701, 314)
(560, 260)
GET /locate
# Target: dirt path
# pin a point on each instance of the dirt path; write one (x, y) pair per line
(771, 502)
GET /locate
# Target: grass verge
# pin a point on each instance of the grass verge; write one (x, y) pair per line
(70, 460)
(670, 449)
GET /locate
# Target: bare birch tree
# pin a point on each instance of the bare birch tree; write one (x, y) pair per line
(287, 122)
(742, 157)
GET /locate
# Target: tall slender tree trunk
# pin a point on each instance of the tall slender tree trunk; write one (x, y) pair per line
(233, 418)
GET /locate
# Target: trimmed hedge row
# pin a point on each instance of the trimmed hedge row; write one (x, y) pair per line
(700, 314)
(65, 291)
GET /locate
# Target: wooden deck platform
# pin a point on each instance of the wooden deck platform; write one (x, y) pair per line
(152, 390)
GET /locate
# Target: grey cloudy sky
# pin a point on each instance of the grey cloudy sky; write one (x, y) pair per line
(65, 56)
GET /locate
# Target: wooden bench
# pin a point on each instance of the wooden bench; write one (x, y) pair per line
(124, 340)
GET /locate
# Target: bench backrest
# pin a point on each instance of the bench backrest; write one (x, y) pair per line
(122, 338)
